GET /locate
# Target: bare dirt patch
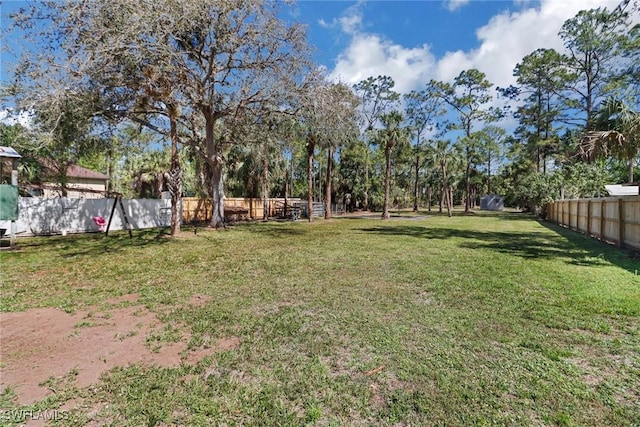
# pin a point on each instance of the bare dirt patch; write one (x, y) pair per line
(38, 344)
(199, 300)
(129, 298)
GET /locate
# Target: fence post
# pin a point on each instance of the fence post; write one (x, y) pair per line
(589, 217)
(603, 212)
(621, 222)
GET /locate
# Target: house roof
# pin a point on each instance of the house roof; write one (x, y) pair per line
(73, 171)
(76, 171)
(9, 152)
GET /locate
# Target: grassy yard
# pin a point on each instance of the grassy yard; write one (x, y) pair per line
(492, 319)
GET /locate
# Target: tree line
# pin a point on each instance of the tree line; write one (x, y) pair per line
(222, 98)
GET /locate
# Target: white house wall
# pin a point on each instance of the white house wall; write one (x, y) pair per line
(39, 216)
(94, 185)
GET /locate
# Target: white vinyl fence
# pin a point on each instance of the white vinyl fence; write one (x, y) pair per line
(55, 216)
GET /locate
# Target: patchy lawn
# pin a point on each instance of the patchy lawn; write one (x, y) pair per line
(492, 319)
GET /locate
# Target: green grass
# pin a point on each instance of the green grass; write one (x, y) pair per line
(492, 319)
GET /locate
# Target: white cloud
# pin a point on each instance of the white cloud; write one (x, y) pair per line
(451, 64)
(502, 43)
(453, 5)
(371, 55)
(350, 22)
(508, 37)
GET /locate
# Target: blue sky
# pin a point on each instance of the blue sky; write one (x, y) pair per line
(415, 41)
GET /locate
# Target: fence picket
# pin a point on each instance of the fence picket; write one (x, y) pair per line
(618, 228)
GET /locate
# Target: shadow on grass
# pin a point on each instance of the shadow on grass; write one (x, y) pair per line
(97, 243)
(392, 216)
(276, 229)
(424, 213)
(506, 215)
(599, 252)
(563, 244)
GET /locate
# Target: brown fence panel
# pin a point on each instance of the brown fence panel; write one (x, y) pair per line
(199, 209)
(196, 209)
(253, 207)
(612, 219)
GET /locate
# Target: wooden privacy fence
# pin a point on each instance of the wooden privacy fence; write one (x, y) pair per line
(198, 209)
(610, 219)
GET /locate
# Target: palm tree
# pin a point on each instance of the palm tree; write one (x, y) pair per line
(445, 155)
(618, 134)
(147, 172)
(392, 135)
(326, 122)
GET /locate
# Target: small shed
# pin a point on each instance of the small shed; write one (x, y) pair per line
(492, 202)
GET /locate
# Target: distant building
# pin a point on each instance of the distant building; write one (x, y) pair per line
(492, 202)
(82, 183)
(622, 190)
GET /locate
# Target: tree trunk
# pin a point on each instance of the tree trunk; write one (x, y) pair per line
(109, 185)
(365, 204)
(327, 188)
(214, 160)
(265, 187)
(217, 192)
(387, 182)
(429, 198)
(445, 190)
(286, 190)
(447, 198)
(450, 198)
(467, 201)
(489, 176)
(630, 171)
(415, 182)
(174, 178)
(310, 150)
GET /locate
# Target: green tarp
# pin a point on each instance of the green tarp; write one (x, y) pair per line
(8, 202)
